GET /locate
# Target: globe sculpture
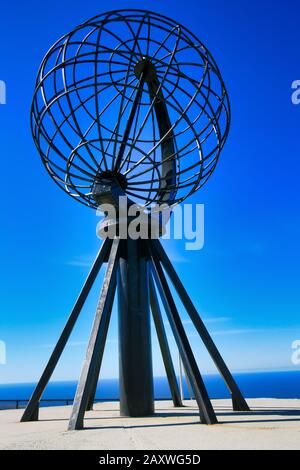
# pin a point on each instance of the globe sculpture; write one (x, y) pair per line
(130, 103)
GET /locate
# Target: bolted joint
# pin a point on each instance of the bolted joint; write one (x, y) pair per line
(108, 187)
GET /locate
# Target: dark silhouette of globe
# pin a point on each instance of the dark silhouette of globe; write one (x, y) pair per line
(85, 90)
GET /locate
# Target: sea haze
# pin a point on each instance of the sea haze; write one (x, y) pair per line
(253, 385)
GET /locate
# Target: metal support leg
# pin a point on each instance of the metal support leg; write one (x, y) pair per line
(207, 414)
(96, 342)
(135, 358)
(91, 399)
(163, 342)
(238, 401)
(32, 409)
(99, 362)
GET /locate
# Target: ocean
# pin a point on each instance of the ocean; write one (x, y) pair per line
(253, 385)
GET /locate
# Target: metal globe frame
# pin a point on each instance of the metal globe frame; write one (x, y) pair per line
(131, 103)
(90, 85)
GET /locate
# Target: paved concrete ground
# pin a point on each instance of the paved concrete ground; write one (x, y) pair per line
(273, 424)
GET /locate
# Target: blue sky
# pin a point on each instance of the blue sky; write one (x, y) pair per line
(245, 282)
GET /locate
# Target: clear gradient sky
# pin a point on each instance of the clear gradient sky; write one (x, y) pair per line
(245, 281)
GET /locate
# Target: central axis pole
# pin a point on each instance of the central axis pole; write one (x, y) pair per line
(135, 357)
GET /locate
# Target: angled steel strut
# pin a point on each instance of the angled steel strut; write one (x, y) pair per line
(136, 268)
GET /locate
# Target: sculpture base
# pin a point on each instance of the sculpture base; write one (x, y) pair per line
(138, 268)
